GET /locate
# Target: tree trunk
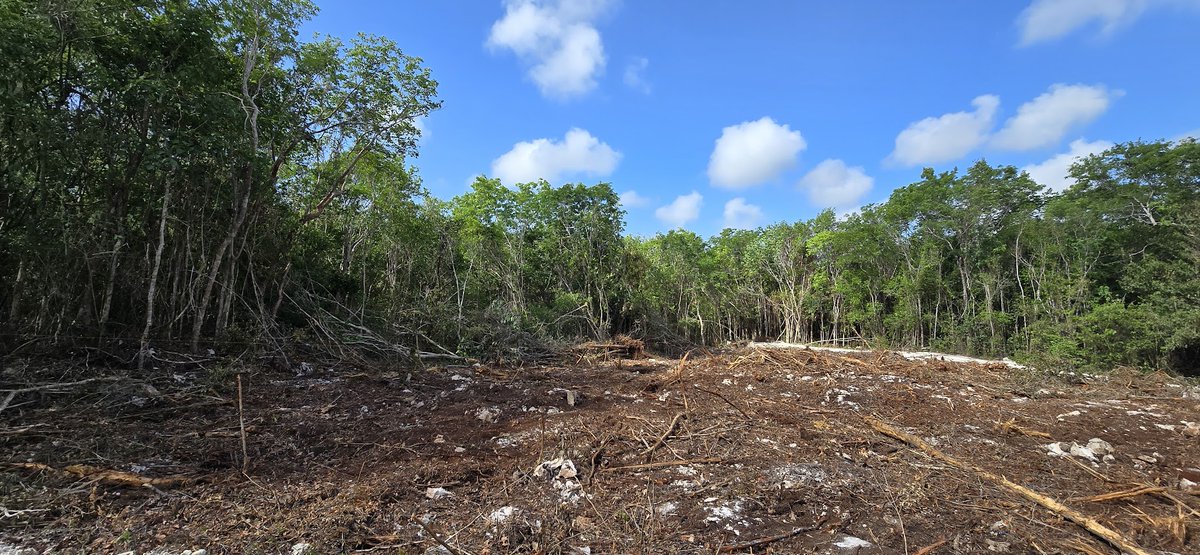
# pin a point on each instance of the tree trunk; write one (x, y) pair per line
(152, 289)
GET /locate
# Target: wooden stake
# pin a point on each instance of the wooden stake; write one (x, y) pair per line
(242, 427)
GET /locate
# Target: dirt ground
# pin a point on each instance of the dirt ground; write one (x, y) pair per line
(747, 450)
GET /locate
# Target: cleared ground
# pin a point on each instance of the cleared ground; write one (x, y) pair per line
(752, 450)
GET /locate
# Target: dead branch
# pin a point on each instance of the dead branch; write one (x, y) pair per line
(637, 467)
(1105, 533)
(929, 548)
(109, 477)
(1011, 426)
(649, 452)
(12, 393)
(769, 539)
(1123, 494)
(727, 401)
(439, 540)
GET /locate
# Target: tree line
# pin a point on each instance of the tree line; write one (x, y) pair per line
(189, 174)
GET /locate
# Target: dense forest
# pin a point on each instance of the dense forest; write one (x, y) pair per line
(188, 175)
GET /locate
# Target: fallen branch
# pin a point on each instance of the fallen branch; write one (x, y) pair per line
(727, 401)
(1011, 426)
(12, 393)
(6, 512)
(769, 539)
(110, 477)
(929, 548)
(439, 540)
(1123, 494)
(649, 452)
(1105, 533)
(635, 467)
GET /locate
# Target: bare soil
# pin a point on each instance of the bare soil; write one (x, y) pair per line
(750, 450)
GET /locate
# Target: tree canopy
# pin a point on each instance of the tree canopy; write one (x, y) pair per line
(192, 174)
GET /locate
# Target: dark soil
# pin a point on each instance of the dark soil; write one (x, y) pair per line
(348, 459)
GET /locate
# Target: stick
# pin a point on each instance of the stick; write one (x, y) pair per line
(1012, 425)
(648, 453)
(769, 539)
(242, 427)
(1132, 492)
(711, 460)
(727, 401)
(439, 539)
(110, 477)
(1105, 533)
(929, 548)
(12, 393)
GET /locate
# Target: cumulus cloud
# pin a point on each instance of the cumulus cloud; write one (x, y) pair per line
(1054, 173)
(557, 39)
(635, 75)
(578, 153)
(1046, 20)
(834, 184)
(682, 210)
(631, 199)
(947, 137)
(752, 152)
(740, 214)
(1043, 121)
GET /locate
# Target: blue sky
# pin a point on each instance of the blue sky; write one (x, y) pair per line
(747, 113)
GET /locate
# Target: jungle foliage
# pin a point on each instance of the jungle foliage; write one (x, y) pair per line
(191, 174)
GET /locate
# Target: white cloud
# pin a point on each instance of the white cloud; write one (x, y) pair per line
(557, 39)
(947, 137)
(833, 184)
(752, 152)
(742, 215)
(1047, 20)
(682, 210)
(635, 75)
(578, 153)
(1043, 121)
(631, 199)
(1054, 173)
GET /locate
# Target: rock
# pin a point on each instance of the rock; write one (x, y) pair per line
(501, 515)
(487, 415)
(997, 547)
(1147, 459)
(1082, 452)
(302, 549)
(437, 493)
(565, 468)
(851, 542)
(1191, 429)
(1187, 485)
(1099, 447)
